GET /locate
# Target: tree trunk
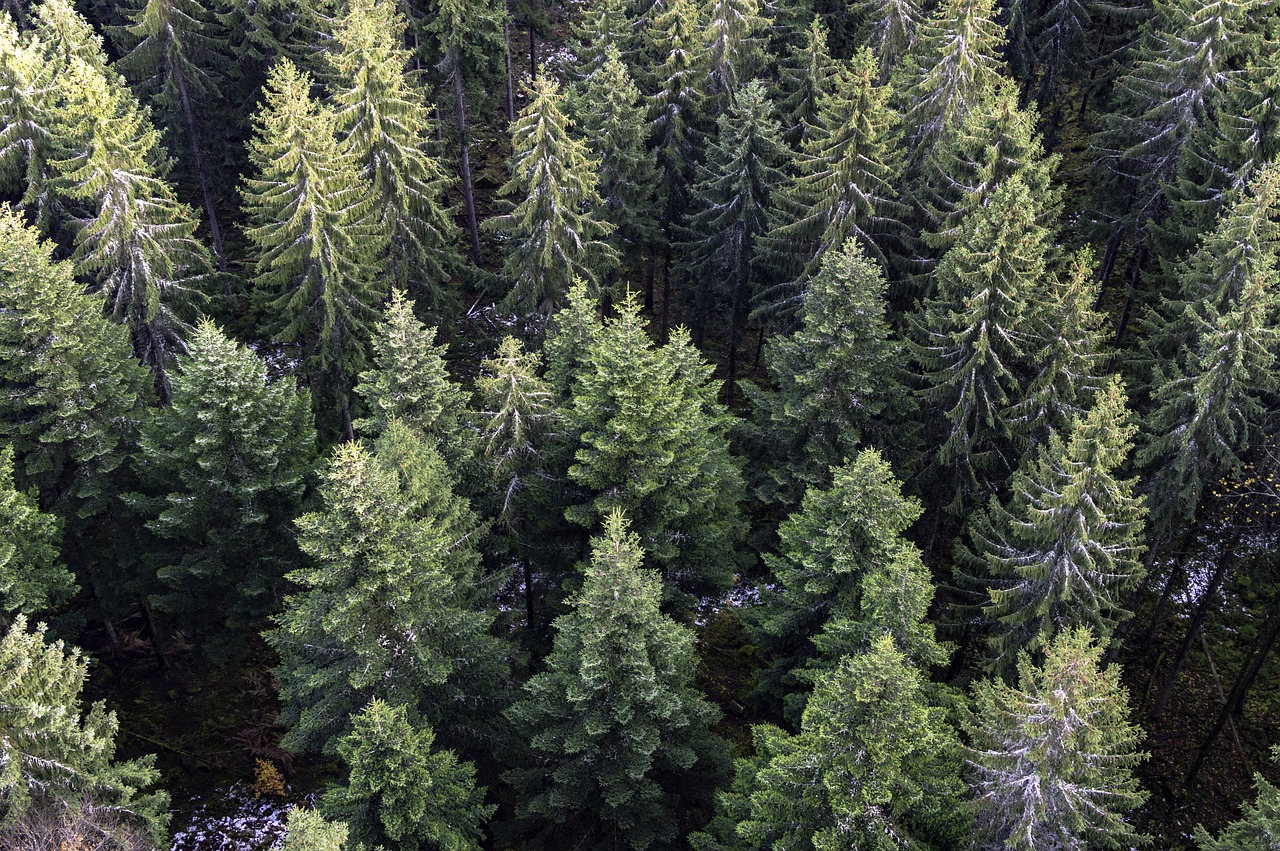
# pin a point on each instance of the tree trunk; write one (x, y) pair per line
(468, 190)
(157, 646)
(533, 56)
(1198, 618)
(1108, 264)
(197, 154)
(666, 289)
(511, 87)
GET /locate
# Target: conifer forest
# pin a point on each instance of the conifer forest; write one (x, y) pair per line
(716, 425)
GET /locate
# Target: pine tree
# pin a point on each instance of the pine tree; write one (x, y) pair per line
(1068, 545)
(318, 246)
(32, 578)
(385, 608)
(651, 439)
(874, 766)
(554, 232)
(1258, 826)
(974, 339)
(837, 379)
(889, 28)
(59, 760)
(956, 64)
(1051, 760)
(845, 189)
(382, 118)
(732, 210)
(224, 469)
(611, 119)
(807, 78)
(401, 793)
(733, 50)
(619, 734)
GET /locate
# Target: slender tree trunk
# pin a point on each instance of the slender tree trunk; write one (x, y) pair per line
(157, 646)
(1198, 618)
(1108, 264)
(197, 154)
(468, 190)
(1257, 658)
(666, 289)
(511, 86)
(533, 56)
(1257, 655)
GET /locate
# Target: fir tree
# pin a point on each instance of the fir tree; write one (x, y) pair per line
(806, 78)
(32, 578)
(837, 379)
(889, 28)
(733, 52)
(732, 210)
(619, 734)
(401, 793)
(1051, 760)
(225, 468)
(1068, 544)
(384, 609)
(554, 233)
(58, 758)
(382, 117)
(601, 30)
(650, 439)
(318, 245)
(845, 188)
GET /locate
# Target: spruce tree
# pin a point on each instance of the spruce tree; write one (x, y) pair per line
(382, 118)
(602, 29)
(733, 50)
(1068, 544)
(1051, 760)
(889, 28)
(58, 760)
(28, 92)
(1257, 827)
(555, 231)
(837, 380)
(619, 734)
(806, 78)
(307, 830)
(318, 244)
(32, 578)
(651, 439)
(224, 470)
(385, 608)
(732, 210)
(845, 188)
(975, 336)
(402, 793)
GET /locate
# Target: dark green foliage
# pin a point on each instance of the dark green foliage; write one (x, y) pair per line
(890, 28)
(732, 48)
(619, 735)
(1258, 826)
(650, 439)
(56, 761)
(32, 578)
(400, 793)
(807, 78)
(1051, 760)
(224, 470)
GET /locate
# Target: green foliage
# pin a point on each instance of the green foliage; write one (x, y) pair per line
(1257, 827)
(382, 117)
(224, 470)
(309, 831)
(520, 411)
(56, 758)
(838, 380)
(874, 766)
(31, 577)
(619, 734)
(733, 50)
(652, 440)
(554, 234)
(399, 792)
(889, 28)
(677, 103)
(386, 608)
(807, 77)
(28, 92)
(1051, 760)
(601, 30)
(169, 49)
(1068, 545)
(319, 248)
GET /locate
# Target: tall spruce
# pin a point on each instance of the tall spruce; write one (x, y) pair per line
(733, 50)
(319, 247)
(555, 232)
(807, 77)
(619, 734)
(889, 28)
(1051, 761)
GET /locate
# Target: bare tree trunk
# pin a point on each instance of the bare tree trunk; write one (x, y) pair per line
(1198, 618)
(533, 56)
(511, 87)
(197, 154)
(468, 189)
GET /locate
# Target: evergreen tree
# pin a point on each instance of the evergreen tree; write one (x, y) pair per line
(382, 117)
(619, 734)
(837, 379)
(1062, 49)
(974, 339)
(845, 189)
(889, 28)
(807, 78)
(601, 30)
(224, 468)
(956, 64)
(732, 210)
(307, 830)
(1258, 826)
(651, 439)
(1051, 760)
(610, 118)
(733, 51)
(399, 792)
(385, 608)
(318, 245)
(874, 766)
(58, 759)
(554, 233)
(1068, 544)
(32, 578)
(28, 92)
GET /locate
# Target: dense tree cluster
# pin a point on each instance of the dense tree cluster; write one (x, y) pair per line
(777, 425)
